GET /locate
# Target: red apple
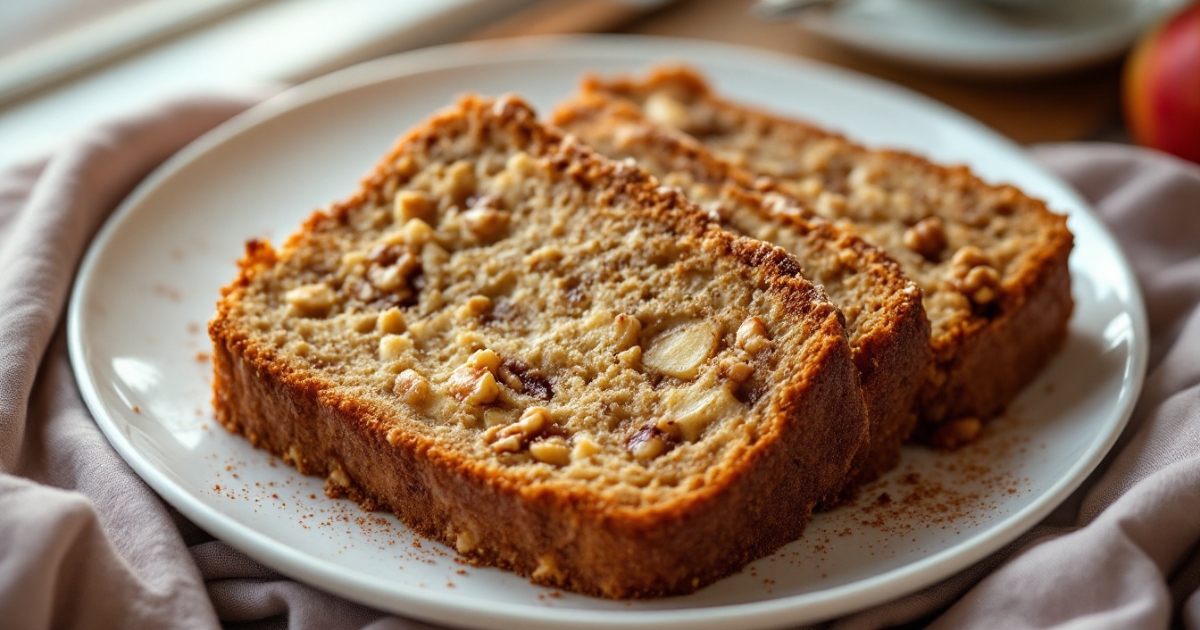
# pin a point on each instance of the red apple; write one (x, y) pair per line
(1162, 86)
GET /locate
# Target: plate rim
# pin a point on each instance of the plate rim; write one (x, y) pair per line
(1073, 51)
(446, 608)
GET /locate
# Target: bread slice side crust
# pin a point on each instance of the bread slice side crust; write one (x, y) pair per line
(797, 446)
(886, 323)
(554, 539)
(987, 346)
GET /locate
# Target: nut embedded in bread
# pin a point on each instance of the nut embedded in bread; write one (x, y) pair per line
(544, 359)
(885, 322)
(990, 261)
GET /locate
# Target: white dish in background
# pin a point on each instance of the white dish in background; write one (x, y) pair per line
(149, 282)
(977, 38)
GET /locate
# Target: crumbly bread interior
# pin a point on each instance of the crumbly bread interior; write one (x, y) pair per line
(974, 249)
(885, 322)
(482, 295)
(862, 281)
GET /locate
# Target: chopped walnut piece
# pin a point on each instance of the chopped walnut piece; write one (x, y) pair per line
(473, 385)
(485, 222)
(584, 448)
(412, 388)
(338, 477)
(973, 276)
(739, 372)
(459, 182)
(485, 359)
(927, 237)
(647, 443)
(510, 438)
(547, 570)
(508, 444)
(465, 542)
(395, 276)
(311, 300)
(391, 321)
(553, 450)
(416, 233)
(650, 448)
(982, 284)
(531, 422)
(752, 335)
(520, 163)
(412, 204)
(476, 305)
(968, 257)
(486, 390)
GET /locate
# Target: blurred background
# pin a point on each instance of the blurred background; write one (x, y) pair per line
(1035, 70)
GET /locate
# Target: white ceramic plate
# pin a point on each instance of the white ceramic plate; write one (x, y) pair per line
(150, 280)
(973, 37)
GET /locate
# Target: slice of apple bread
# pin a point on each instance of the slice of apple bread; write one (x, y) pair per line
(544, 359)
(990, 261)
(885, 322)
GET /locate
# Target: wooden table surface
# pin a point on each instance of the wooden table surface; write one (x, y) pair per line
(1075, 106)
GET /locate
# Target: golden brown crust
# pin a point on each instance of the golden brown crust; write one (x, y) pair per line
(983, 356)
(608, 553)
(560, 534)
(992, 364)
(889, 340)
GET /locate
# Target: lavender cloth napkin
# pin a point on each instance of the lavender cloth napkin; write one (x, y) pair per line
(84, 543)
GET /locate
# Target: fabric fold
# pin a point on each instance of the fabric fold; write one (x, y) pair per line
(88, 545)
